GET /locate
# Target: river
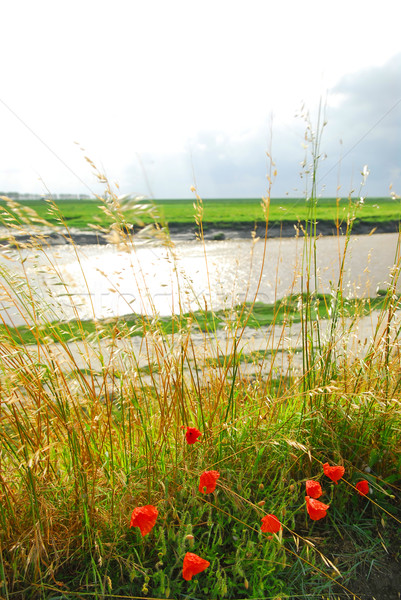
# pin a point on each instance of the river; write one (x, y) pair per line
(93, 281)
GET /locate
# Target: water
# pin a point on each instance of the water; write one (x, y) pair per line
(106, 281)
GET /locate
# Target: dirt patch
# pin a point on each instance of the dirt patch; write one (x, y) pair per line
(378, 576)
(382, 583)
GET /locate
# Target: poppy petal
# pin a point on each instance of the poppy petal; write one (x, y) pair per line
(207, 481)
(313, 488)
(334, 472)
(270, 524)
(193, 564)
(144, 517)
(316, 509)
(362, 487)
(192, 435)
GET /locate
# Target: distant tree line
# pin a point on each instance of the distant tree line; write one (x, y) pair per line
(18, 196)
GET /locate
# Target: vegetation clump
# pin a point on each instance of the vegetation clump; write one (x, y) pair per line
(172, 472)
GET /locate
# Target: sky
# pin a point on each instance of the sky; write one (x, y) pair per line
(163, 95)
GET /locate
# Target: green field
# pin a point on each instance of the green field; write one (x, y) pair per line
(281, 209)
(81, 213)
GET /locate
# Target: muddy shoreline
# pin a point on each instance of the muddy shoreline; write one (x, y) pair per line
(211, 231)
(225, 230)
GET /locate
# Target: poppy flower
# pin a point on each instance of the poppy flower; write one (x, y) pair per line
(270, 524)
(193, 565)
(208, 480)
(192, 435)
(316, 509)
(144, 517)
(313, 489)
(334, 473)
(362, 487)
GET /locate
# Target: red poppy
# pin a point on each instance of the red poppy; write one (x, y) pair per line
(313, 489)
(192, 435)
(316, 509)
(193, 565)
(208, 480)
(334, 473)
(144, 517)
(362, 487)
(270, 524)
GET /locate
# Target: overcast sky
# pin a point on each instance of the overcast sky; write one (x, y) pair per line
(166, 94)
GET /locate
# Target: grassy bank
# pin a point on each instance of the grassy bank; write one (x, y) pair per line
(253, 315)
(93, 430)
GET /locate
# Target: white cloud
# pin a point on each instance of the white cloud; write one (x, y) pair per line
(367, 121)
(133, 77)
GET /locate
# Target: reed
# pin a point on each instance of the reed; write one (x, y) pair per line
(92, 427)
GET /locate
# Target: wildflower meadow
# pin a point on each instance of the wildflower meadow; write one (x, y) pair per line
(183, 466)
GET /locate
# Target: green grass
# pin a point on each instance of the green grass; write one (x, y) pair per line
(81, 213)
(249, 210)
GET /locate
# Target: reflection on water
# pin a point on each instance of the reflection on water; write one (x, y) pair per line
(103, 281)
